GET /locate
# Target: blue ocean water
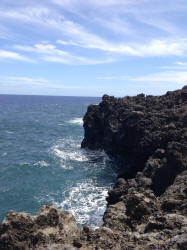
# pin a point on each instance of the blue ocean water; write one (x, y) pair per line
(41, 161)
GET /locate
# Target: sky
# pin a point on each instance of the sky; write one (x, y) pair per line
(92, 47)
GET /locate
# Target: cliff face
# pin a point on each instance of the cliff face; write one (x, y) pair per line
(150, 134)
(138, 128)
(135, 127)
(147, 208)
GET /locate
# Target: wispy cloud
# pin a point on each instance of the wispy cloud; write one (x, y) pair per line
(159, 77)
(168, 77)
(147, 12)
(178, 66)
(40, 82)
(30, 82)
(50, 53)
(98, 4)
(26, 14)
(113, 52)
(154, 48)
(79, 32)
(90, 31)
(4, 54)
(182, 64)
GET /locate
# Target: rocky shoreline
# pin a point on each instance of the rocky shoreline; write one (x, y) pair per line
(147, 208)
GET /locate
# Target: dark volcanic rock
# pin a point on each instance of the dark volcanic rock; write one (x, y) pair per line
(147, 208)
(23, 231)
(135, 128)
(149, 133)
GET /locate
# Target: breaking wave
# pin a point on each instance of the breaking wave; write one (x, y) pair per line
(86, 190)
(67, 151)
(41, 155)
(86, 201)
(78, 121)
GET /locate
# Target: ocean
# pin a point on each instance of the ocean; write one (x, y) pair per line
(41, 161)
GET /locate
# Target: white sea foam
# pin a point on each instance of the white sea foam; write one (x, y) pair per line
(74, 145)
(66, 151)
(86, 201)
(78, 121)
(10, 132)
(68, 142)
(36, 164)
(24, 163)
(41, 164)
(4, 154)
(73, 156)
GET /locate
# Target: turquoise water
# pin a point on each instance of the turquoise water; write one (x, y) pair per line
(41, 161)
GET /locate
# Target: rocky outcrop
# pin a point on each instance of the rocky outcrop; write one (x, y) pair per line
(149, 134)
(50, 226)
(135, 127)
(147, 208)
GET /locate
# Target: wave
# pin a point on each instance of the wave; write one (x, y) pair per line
(84, 195)
(73, 156)
(86, 201)
(68, 150)
(78, 121)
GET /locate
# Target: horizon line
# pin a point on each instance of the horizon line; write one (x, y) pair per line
(51, 95)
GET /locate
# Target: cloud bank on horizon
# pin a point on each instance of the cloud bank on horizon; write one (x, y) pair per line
(88, 48)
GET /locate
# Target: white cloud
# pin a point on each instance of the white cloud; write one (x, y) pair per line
(168, 77)
(160, 77)
(37, 83)
(107, 13)
(91, 19)
(42, 49)
(26, 14)
(85, 38)
(154, 48)
(50, 53)
(4, 54)
(74, 60)
(182, 64)
(163, 48)
(179, 66)
(28, 80)
(48, 18)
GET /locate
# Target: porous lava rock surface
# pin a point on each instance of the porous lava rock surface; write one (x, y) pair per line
(147, 208)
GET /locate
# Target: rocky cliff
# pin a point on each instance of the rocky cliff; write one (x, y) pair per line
(147, 208)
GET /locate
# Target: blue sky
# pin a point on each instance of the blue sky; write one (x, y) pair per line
(93, 47)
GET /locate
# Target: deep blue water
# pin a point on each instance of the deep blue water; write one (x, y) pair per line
(41, 161)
